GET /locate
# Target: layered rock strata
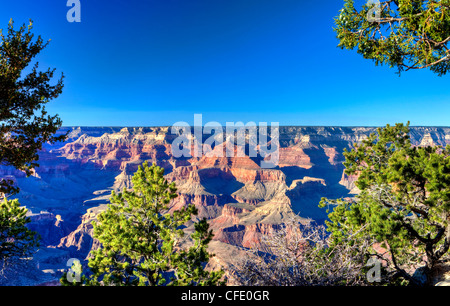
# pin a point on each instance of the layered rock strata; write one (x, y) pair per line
(241, 200)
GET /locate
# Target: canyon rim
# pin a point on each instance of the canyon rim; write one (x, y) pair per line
(241, 200)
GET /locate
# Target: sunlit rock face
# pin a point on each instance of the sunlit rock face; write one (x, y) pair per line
(241, 200)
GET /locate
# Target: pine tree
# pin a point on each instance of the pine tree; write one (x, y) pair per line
(24, 122)
(16, 240)
(143, 244)
(404, 203)
(405, 34)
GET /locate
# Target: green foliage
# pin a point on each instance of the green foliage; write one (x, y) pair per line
(406, 34)
(143, 244)
(16, 240)
(24, 123)
(404, 199)
(74, 277)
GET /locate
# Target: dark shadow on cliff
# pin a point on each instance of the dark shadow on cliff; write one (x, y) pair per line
(61, 187)
(306, 199)
(218, 182)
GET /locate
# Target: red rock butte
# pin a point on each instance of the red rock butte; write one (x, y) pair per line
(241, 200)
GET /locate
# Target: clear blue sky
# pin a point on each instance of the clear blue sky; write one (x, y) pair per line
(155, 62)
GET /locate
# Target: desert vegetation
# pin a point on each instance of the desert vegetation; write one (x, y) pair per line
(400, 219)
(387, 225)
(142, 244)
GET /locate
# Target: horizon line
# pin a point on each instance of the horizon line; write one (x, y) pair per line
(168, 126)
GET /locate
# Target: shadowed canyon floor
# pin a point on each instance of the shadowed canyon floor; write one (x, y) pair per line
(241, 200)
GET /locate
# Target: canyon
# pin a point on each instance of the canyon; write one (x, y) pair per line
(241, 200)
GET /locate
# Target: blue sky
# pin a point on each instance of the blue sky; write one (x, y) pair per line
(156, 62)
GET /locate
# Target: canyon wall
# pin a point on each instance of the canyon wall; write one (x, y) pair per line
(241, 200)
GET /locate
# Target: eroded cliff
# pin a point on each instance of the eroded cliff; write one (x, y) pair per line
(241, 200)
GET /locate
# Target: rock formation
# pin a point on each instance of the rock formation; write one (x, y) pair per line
(241, 200)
